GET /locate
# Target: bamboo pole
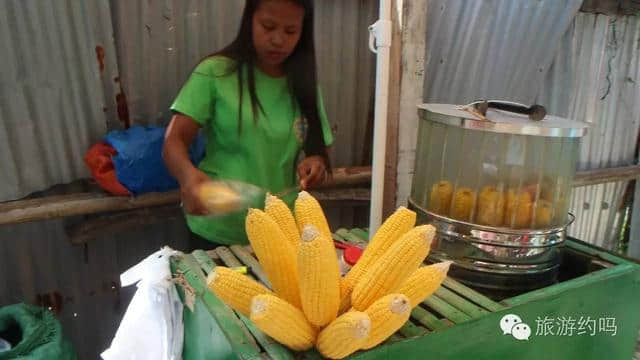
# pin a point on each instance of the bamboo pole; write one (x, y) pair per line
(51, 207)
(601, 176)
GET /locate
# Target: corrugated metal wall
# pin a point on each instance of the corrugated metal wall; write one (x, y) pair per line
(346, 72)
(482, 49)
(159, 43)
(69, 67)
(38, 263)
(51, 96)
(494, 49)
(596, 78)
(75, 69)
(488, 49)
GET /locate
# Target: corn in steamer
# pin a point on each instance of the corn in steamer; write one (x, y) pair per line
(495, 179)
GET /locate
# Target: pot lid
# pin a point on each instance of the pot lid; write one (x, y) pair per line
(503, 117)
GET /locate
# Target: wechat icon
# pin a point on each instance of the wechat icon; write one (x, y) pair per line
(512, 324)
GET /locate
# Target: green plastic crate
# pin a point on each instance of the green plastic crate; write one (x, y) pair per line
(455, 323)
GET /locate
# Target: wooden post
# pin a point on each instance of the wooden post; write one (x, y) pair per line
(393, 116)
(414, 29)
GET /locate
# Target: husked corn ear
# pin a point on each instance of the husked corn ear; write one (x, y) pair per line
(387, 315)
(462, 204)
(308, 211)
(423, 282)
(544, 213)
(319, 276)
(401, 221)
(440, 198)
(344, 336)
(276, 255)
(219, 198)
(518, 213)
(283, 322)
(235, 289)
(282, 215)
(402, 258)
(491, 202)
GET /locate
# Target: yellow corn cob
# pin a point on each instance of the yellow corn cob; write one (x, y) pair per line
(402, 259)
(462, 204)
(401, 221)
(308, 211)
(219, 198)
(281, 214)
(440, 198)
(423, 282)
(544, 213)
(276, 255)
(234, 289)
(387, 315)
(518, 209)
(344, 336)
(490, 207)
(283, 322)
(319, 275)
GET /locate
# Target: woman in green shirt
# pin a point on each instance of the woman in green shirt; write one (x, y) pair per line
(259, 105)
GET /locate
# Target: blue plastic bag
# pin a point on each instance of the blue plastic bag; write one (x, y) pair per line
(139, 165)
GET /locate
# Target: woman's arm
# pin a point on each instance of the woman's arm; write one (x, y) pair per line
(175, 152)
(312, 171)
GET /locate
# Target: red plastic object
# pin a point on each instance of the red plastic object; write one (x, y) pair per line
(350, 253)
(98, 160)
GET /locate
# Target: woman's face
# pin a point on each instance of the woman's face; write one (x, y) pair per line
(277, 25)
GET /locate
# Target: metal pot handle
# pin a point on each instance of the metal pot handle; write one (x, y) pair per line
(535, 112)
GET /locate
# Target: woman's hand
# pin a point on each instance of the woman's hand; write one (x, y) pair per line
(189, 192)
(312, 171)
(180, 134)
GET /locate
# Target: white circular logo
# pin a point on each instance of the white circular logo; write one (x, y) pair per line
(521, 331)
(512, 324)
(508, 321)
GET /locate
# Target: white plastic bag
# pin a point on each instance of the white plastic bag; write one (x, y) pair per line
(152, 326)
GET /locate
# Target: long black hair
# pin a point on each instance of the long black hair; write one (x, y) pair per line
(300, 69)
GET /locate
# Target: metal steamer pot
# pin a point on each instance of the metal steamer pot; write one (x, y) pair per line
(494, 178)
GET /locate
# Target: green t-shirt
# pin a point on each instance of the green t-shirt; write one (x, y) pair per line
(263, 153)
